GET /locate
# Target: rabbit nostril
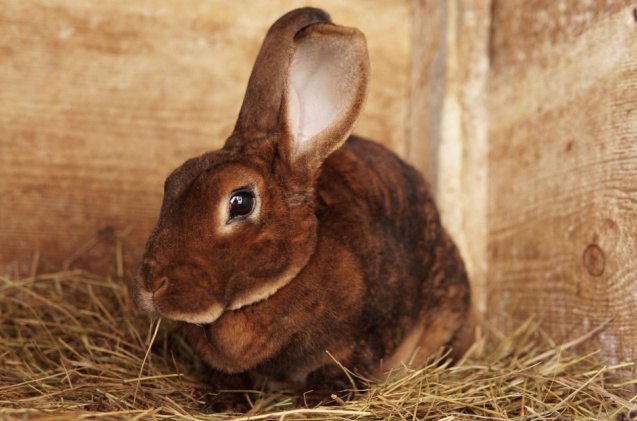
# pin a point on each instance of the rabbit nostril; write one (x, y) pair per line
(158, 284)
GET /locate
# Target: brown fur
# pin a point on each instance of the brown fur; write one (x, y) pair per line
(345, 252)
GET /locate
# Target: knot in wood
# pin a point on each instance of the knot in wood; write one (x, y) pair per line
(594, 260)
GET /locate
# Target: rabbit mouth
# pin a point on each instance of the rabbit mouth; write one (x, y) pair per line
(150, 302)
(216, 310)
(146, 301)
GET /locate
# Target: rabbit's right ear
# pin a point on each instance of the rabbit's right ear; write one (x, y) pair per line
(308, 85)
(326, 87)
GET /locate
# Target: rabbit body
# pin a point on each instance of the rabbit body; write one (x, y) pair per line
(341, 256)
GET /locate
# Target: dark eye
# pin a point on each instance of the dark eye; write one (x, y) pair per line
(241, 203)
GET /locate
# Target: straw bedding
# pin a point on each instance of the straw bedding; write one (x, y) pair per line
(72, 346)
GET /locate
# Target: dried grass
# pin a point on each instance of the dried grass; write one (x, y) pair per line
(72, 347)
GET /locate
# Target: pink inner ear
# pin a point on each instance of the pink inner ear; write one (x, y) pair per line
(317, 91)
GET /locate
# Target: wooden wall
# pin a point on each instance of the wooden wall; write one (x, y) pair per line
(100, 100)
(562, 207)
(530, 110)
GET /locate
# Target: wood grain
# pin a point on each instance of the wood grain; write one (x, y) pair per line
(99, 101)
(562, 236)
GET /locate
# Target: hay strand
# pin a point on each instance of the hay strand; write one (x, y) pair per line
(71, 346)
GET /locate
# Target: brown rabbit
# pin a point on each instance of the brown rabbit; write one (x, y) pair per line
(294, 240)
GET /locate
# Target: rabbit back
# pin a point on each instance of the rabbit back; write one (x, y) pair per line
(381, 208)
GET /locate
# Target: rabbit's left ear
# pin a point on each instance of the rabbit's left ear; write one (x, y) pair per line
(324, 93)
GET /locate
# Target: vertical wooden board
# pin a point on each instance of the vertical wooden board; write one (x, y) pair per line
(427, 86)
(462, 152)
(447, 120)
(562, 234)
(99, 101)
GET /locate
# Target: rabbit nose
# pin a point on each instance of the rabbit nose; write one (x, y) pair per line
(145, 269)
(147, 265)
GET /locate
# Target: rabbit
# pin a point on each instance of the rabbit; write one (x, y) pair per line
(297, 245)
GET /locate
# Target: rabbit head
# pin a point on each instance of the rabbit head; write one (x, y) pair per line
(238, 224)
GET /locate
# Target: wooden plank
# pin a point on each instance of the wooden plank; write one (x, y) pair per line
(427, 86)
(447, 126)
(562, 235)
(101, 100)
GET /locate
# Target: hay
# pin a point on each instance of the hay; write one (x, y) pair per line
(71, 346)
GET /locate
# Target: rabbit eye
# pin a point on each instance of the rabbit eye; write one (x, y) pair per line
(241, 204)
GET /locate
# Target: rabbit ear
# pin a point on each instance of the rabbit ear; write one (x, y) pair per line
(325, 90)
(262, 102)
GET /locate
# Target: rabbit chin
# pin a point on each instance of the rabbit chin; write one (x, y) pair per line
(212, 313)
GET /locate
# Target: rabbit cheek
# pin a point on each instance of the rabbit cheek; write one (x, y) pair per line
(264, 290)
